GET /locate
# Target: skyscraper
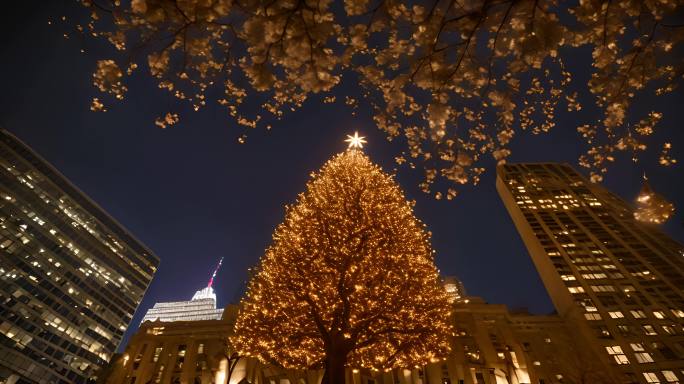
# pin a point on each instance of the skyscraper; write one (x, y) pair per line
(71, 277)
(618, 282)
(454, 287)
(202, 306)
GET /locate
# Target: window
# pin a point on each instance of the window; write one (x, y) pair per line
(670, 377)
(180, 357)
(651, 377)
(160, 373)
(638, 314)
(592, 276)
(200, 348)
(200, 364)
(592, 316)
(618, 355)
(604, 333)
(659, 314)
(445, 375)
(576, 289)
(649, 330)
(677, 312)
(616, 315)
(643, 357)
(603, 288)
(157, 352)
(636, 347)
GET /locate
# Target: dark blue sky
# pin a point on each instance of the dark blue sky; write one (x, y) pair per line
(193, 194)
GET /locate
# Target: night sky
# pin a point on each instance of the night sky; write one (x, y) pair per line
(192, 194)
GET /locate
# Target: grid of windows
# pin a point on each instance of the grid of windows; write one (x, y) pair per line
(625, 278)
(70, 276)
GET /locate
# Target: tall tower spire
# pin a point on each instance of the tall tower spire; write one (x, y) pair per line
(211, 280)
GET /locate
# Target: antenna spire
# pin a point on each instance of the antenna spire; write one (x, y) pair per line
(211, 281)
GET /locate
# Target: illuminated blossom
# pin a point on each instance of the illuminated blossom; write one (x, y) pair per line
(452, 79)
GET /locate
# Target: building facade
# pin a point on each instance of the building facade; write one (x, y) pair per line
(618, 282)
(192, 351)
(454, 287)
(490, 346)
(202, 306)
(71, 277)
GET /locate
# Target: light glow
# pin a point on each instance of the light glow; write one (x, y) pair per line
(355, 141)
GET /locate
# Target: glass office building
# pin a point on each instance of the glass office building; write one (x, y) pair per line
(618, 281)
(71, 277)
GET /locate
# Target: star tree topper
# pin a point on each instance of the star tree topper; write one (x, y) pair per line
(355, 141)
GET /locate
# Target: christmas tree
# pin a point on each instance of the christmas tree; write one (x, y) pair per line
(349, 280)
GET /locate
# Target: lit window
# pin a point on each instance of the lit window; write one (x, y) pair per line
(638, 314)
(576, 289)
(157, 352)
(651, 377)
(677, 312)
(536, 363)
(593, 276)
(160, 373)
(616, 315)
(648, 330)
(603, 288)
(636, 347)
(615, 349)
(592, 316)
(659, 314)
(616, 352)
(670, 377)
(643, 357)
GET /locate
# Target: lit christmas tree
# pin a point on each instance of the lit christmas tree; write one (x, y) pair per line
(349, 280)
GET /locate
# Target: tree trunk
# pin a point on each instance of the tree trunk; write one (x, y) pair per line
(334, 369)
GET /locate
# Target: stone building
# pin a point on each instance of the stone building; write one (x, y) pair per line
(491, 346)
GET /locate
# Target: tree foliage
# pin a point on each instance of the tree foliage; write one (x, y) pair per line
(348, 281)
(456, 79)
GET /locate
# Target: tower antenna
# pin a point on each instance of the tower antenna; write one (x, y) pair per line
(211, 281)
